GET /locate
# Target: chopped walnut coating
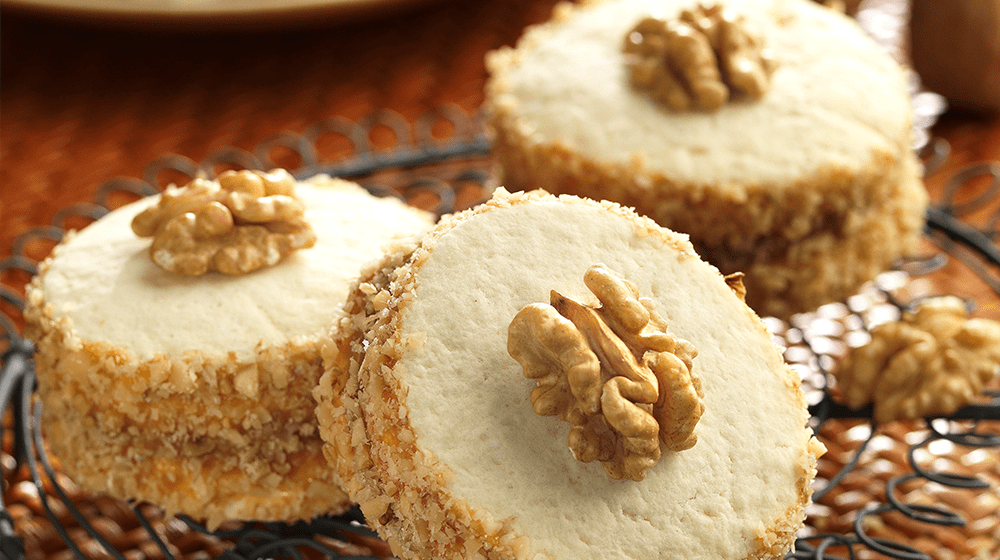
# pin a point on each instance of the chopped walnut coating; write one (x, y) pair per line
(931, 362)
(244, 221)
(735, 283)
(699, 60)
(613, 372)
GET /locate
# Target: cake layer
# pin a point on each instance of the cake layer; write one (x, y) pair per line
(449, 460)
(195, 393)
(274, 474)
(834, 99)
(781, 188)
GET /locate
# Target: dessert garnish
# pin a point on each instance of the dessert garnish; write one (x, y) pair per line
(932, 361)
(243, 221)
(735, 283)
(613, 371)
(697, 61)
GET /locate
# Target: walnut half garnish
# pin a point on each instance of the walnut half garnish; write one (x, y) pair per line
(699, 60)
(613, 372)
(932, 361)
(243, 221)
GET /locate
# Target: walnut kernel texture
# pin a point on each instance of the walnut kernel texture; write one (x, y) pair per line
(244, 221)
(933, 361)
(613, 371)
(697, 61)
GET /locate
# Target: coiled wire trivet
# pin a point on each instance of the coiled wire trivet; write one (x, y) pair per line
(456, 173)
(934, 447)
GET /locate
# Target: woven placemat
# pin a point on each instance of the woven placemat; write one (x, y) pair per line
(887, 458)
(882, 460)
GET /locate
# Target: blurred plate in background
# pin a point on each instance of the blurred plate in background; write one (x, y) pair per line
(208, 11)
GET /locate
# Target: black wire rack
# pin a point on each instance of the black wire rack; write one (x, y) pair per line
(972, 190)
(425, 169)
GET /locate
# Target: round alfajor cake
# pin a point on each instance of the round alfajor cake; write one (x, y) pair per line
(554, 377)
(775, 133)
(182, 377)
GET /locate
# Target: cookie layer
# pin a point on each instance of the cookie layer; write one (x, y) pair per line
(195, 393)
(436, 438)
(792, 183)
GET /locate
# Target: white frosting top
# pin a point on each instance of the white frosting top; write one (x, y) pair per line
(469, 405)
(834, 97)
(104, 281)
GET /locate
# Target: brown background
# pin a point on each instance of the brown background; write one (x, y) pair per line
(85, 102)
